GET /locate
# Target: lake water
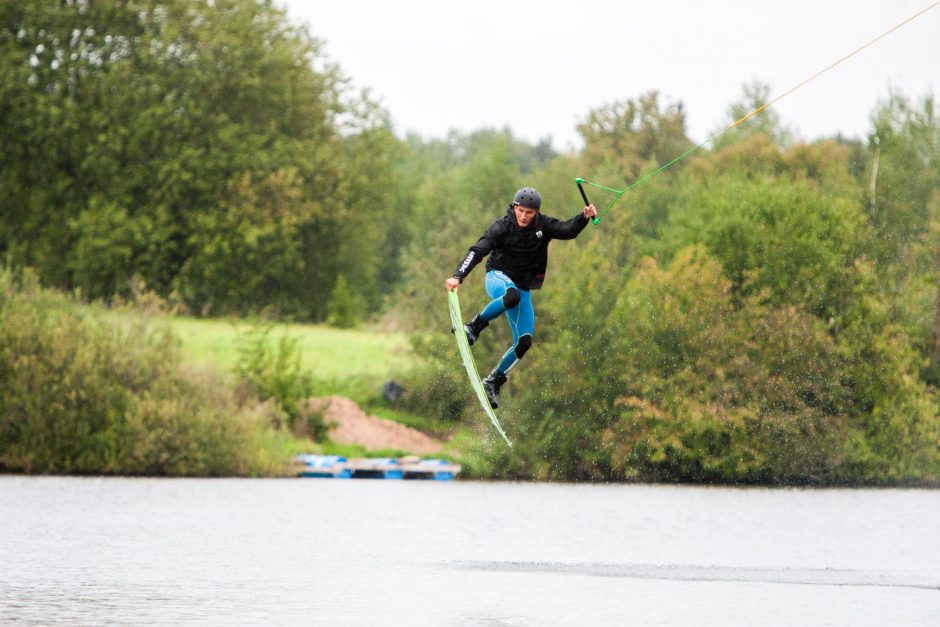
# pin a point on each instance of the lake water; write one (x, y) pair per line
(95, 551)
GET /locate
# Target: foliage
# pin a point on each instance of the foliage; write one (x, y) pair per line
(628, 137)
(783, 225)
(756, 95)
(83, 394)
(766, 310)
(904, 209)
(711, 390)
(737, 320)
(484, 185)
(209, 148)
(343, 310)
(274, 371)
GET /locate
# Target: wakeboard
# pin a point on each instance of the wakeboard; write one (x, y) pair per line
(464, 347)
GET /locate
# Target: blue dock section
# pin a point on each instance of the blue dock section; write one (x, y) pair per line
(338, 467)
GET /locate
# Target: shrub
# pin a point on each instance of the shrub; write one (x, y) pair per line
(343, 308)
(86, 391)
(273, 371)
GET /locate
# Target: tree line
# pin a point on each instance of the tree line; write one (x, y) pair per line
(765, 310)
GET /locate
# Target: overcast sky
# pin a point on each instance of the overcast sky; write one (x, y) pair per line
(539, 67)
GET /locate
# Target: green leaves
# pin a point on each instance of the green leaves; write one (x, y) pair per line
(735, 322)
(798, 239)
(624, 139)
(208, 148)
(271, 368)
(87, 391)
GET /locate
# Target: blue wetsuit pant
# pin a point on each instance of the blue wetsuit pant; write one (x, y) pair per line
(517, 305)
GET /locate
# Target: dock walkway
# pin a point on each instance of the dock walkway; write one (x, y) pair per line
(339, 467)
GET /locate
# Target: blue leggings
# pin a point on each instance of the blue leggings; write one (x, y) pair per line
(517, 305)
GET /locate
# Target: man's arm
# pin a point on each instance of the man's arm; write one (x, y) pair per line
(475, 254)
(571, 228)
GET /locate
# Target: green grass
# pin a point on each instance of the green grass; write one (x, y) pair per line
(351, 363)
(328, 354)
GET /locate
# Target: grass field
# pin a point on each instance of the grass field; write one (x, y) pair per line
(351, 363)
(328, 354)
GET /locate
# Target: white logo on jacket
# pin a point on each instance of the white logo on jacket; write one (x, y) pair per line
(466, 262)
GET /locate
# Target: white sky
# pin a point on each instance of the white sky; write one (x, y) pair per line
(539, 67)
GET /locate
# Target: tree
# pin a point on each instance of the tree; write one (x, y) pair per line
(904, 210)
(766, 122)
(625, 138)
(185, 125)
(793, 230)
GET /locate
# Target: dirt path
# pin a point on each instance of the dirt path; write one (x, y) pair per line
(350, 425)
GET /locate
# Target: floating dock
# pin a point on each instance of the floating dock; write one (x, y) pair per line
(339, 467)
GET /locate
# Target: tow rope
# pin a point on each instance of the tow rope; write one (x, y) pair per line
(618, 192)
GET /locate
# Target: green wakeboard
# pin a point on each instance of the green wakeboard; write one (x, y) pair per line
(457, 324)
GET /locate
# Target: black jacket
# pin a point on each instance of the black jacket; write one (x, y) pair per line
(520, 253)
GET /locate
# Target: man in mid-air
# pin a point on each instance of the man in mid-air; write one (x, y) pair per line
(519, 245)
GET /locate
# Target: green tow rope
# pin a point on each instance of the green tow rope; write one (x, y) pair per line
(621, 192)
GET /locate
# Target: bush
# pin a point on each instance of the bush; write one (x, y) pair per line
(274, 372)
(86, 391)
(439, 387)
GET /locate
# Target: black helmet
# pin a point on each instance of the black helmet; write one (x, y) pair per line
(528, 197)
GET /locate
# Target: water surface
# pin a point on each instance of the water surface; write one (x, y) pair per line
(236, 551)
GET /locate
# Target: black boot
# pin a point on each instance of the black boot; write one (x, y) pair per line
(491, 385)
(474, 328)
